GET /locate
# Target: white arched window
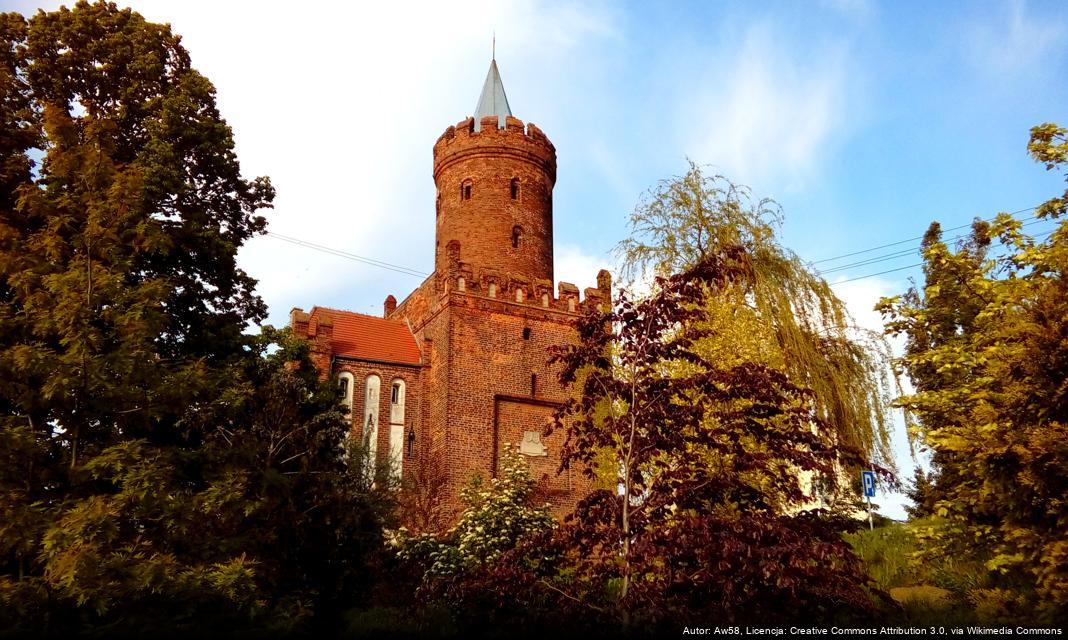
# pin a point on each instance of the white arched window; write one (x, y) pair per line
(372, 385)
(396, 427)
(344, 384)
(396, 402)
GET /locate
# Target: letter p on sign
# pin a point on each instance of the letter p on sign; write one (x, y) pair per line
(868, 477)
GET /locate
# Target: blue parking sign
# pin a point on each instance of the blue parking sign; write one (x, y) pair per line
(868, 477)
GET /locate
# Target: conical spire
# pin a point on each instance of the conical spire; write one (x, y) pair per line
(492, 102)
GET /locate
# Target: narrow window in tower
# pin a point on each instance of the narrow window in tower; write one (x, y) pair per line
(517, 233)
(533, 384)
(465, 190)
(515, 188)
(526, 333)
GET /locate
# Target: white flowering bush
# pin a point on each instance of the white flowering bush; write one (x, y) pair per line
(497, 516)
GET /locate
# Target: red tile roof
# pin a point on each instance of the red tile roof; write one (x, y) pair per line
(365, 337)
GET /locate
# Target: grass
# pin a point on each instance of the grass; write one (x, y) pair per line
(942, 590)
(888, 551)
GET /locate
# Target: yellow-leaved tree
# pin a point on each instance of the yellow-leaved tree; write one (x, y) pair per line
(988, 357)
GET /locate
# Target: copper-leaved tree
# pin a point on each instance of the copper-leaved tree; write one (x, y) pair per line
(707, 456)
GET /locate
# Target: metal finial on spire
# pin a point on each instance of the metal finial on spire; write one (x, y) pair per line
(494, 56)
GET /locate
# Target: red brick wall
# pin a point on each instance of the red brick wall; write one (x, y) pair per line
(515, 417)
(479, 388)
(477, 373)
(473, 393)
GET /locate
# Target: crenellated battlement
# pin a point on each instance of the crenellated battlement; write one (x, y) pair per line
(536, 293)
(516, 139)
(504, 289)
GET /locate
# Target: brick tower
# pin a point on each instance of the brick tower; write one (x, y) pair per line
(495, 191)
(468, 349)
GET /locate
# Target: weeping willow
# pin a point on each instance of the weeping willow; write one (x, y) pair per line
(785, 316)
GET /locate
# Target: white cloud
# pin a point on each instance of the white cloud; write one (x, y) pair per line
(861, 296)
(1016, 42)
(768, 115)
(577, 267)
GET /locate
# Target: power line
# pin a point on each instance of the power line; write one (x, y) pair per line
(872, 275)
(897, 254)
(918, 264)
(905, 252)
(900, 242)
(348, 255)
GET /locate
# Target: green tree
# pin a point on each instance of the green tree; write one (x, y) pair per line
(784, 316)
(923, 494)
(120, 294)
(987, 355)
(159, 467)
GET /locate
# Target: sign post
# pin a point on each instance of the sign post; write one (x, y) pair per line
(868, 480)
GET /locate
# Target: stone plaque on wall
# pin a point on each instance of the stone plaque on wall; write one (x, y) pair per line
(531, 445)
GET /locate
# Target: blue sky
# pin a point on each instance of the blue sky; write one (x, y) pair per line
(865, 120)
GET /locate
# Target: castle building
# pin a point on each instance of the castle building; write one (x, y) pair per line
(459, 369)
